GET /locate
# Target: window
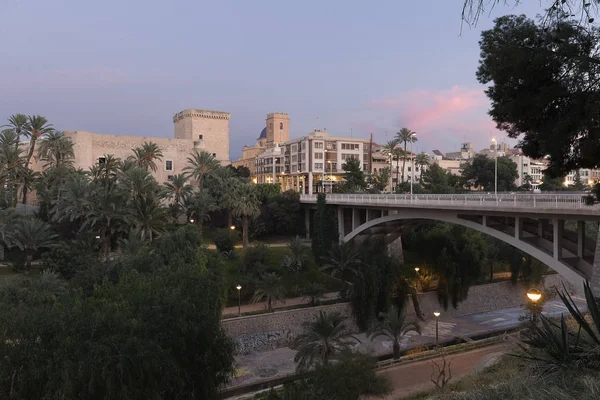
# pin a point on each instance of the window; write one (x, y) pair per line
(318, 165)
(303, 145)
(281, 125)
(200, 137)
(294, 148)
(295, 158)
(365, 167)
(168, 165)
(318, 156)
(349, 146)
(102, 160)
(170, 177)
(318, 145)
(346, 156)
(214, 154)
(330, 145)
(303, 157)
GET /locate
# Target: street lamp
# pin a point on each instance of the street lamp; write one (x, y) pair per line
(534, 295)
(239, 288)
(413, 135)
(495, 166)
(232, 227)
(191, 220)
(437, 336)
(417, 280)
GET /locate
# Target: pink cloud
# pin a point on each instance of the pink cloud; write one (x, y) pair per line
(442, 118)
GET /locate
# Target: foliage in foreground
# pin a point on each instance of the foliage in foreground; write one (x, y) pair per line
(151, 331)
(351, 378)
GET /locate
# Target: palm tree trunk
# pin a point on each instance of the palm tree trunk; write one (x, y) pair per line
(404, 162)
(397, 171)
(229, 219)
(396, 349)
(28, 259)
(31, 149)
(245, 231)
(416, 304)
(25, 189)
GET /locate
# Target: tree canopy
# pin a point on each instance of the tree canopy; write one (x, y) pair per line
(544, 88)
(481, 172)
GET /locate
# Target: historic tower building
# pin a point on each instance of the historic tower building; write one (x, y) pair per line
(278, 128)
(209, 130)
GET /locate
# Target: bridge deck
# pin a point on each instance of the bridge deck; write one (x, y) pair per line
(541, 204)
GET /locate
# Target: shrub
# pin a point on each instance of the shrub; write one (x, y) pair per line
(67, 261)
(352, 378)
(225, 239)
(255, 256)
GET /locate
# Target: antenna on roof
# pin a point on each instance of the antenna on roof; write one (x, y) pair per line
(351, 133)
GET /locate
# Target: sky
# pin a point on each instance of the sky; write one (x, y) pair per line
(350, 67)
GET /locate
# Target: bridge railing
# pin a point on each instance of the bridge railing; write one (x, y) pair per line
(558, 201)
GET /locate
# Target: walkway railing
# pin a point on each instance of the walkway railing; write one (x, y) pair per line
(556, 201)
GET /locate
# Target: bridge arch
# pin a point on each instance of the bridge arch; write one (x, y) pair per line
(391, 225)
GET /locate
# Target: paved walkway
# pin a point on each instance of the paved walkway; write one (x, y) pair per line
(246, 308)
(253, 368)
(411, 378)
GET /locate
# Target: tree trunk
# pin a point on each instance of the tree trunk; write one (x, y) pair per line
(28, 258)
(229, 219)
(397, 171)
(416, 305)
(404, 162)
(245, 231)
(24, 194)
(31, 149)
(396, 349)
(491, 271)
(269, 306)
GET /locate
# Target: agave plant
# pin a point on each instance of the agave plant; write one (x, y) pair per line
(562, 348)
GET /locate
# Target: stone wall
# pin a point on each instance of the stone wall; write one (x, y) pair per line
(484, 298)
(268, 331)
(272, 330)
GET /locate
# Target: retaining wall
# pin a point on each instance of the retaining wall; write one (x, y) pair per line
(272, 330)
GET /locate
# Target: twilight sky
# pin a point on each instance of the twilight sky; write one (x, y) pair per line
(126, 66)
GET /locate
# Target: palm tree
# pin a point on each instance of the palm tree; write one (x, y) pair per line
(198, 206)
(393, 326)
(146, 155)
(202, 164)
(176, 189)
(399, 154)
(13, 165)
(422, 160)
(37, 127)
(269, 289)
(405, 136)
(297, 255)
(322, 340)
(106, 171)
(56, 149)
(388, 150)
(246, 206)
(18, 124)
(149, 217)
(28, 179)
(313, 293)
(32, 234)
(342, 261)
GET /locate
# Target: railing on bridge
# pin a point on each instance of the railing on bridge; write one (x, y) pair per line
(557, 201)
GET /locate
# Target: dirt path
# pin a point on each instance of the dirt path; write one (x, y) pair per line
(411, 378)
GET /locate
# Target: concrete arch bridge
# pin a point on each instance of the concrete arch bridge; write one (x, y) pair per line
(533, 223)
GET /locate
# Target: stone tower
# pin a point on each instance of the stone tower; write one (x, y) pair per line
(278, 128)
(209, 130)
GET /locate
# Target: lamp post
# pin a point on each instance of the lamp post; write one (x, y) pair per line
(417, 280)
(239, 288)
(412, 161)
(495, 166)
(437, 336)
(534, 295)
(232, 227)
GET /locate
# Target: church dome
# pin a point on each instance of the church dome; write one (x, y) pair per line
(263, 134)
